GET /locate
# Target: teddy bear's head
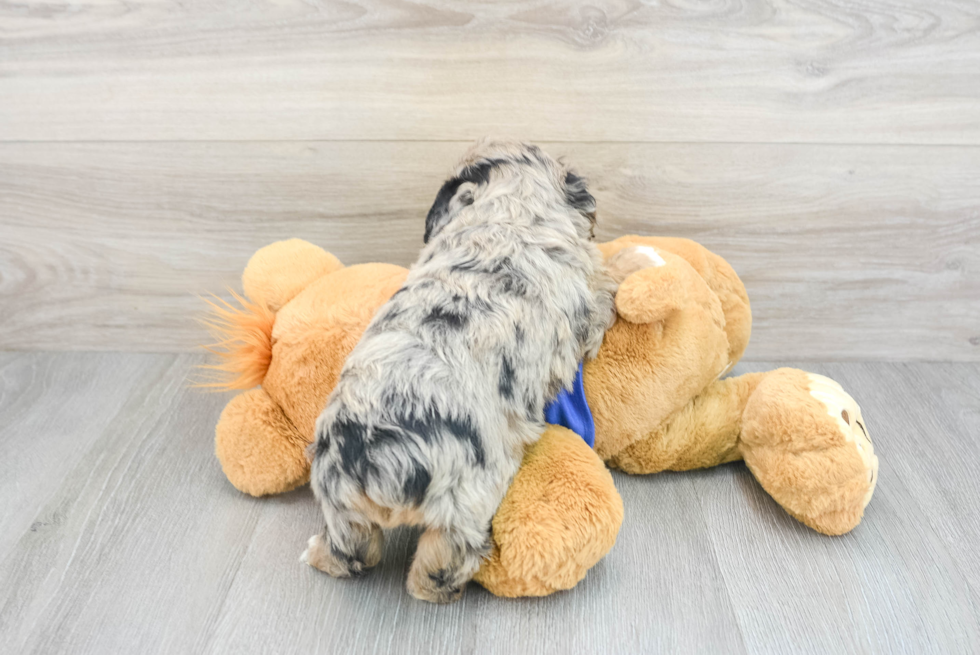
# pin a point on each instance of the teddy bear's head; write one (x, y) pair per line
(684, 320)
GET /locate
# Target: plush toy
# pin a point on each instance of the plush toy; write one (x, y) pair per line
(654, 393)
(660, 403)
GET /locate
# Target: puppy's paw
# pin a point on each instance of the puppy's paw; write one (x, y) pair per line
(318, 555)
(311, 544)
(433, 587)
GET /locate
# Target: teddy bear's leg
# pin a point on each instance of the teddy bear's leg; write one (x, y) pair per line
(259, 449)
(703, 433)
(560, 516)
(804, 439)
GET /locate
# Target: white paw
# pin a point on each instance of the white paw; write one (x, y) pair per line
(310, 544)
(847, 414)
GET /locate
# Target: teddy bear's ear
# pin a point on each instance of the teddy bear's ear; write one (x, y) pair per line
(279, 271)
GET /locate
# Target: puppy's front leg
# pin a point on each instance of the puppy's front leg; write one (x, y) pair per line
(442, 566)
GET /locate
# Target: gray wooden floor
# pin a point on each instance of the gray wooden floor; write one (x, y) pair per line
(118, 533)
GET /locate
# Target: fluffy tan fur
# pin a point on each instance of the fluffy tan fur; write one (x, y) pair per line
(687, 319)
(561, 515)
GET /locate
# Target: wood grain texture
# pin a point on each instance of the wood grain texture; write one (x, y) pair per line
(138, 544)
(906, 580)
(848, 252)
(896, 71)
(52, 410)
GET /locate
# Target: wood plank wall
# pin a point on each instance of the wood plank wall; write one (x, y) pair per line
(830, 151)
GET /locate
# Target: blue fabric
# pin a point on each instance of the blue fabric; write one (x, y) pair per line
(571, 410)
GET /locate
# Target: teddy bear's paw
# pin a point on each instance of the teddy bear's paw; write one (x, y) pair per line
(847, 414)
(804, 439)
(560, 516)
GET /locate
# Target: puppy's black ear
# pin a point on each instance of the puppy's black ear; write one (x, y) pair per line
(439, 213)
(578, 196)
(450, 198)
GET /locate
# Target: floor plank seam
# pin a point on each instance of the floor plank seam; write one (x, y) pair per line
(718, 564)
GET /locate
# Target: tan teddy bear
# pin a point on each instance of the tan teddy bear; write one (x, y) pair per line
(654, 392)
(659, 404)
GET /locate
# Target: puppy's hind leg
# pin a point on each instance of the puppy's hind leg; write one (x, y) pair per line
(444, 562)
(348, 546)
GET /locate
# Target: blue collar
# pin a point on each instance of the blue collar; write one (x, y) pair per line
(571, 410)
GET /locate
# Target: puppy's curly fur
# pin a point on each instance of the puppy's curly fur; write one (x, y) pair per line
(433, 408)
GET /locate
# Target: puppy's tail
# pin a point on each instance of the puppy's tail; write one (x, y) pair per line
(242, 343)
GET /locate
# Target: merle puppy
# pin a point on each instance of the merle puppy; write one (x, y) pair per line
(435, 405)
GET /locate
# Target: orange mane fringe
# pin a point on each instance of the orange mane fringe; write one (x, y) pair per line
(243, 343)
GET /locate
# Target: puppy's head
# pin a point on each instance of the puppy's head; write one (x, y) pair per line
(494, 167)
